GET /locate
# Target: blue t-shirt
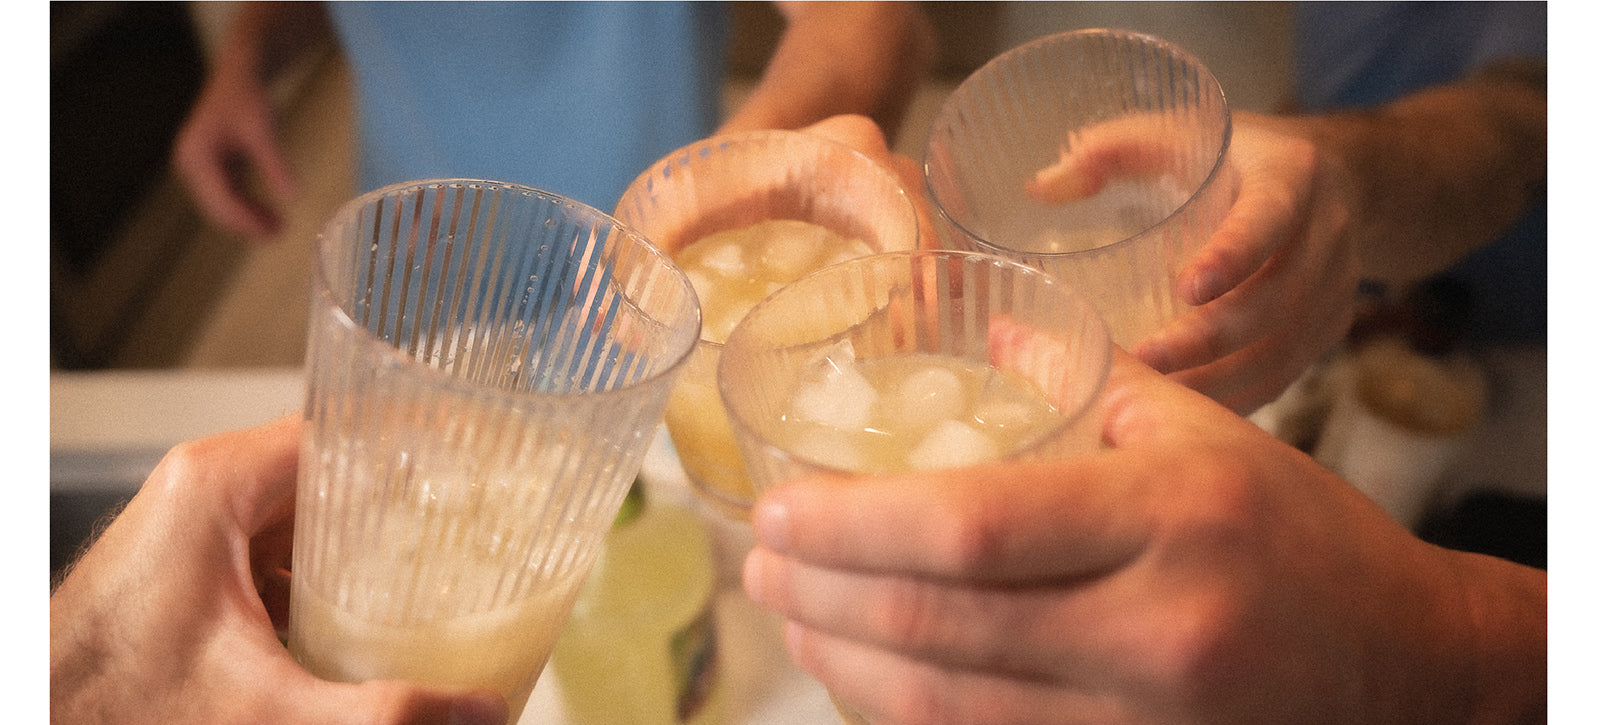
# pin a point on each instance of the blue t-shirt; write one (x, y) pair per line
(576, 98)
(1364, 54)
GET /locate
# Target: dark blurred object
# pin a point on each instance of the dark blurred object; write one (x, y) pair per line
(1432, 315)
(122, 77)
(1498, 524)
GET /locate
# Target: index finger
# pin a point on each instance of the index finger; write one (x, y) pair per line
(999, 522)
(249, 475)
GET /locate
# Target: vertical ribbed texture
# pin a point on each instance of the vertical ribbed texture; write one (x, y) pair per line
(980, 308)
(731, 182)
(1124, 246)
(486, 365)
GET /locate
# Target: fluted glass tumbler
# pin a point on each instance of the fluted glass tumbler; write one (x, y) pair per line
(920, 360)
(739, 185)
(486, 365)
(1099, 156)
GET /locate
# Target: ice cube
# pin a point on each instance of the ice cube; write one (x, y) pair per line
(926, 397)
(828, 447)
(790, 247)
(952, 444)
(720, 321)
(725, 258)
(1010, 403)
(836, 395)
(851, 249)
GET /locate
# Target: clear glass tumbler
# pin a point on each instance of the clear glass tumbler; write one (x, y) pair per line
(1099, 156)
(729, 183)
(486, 365)
(914, 360)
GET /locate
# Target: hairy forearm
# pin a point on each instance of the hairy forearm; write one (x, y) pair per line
(1437, 174)
(841, 57)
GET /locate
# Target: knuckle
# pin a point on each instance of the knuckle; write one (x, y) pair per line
(185, 459)
(1192, 656)
(915, 617)
(972, 537)
(1223, 505)
(924, 701)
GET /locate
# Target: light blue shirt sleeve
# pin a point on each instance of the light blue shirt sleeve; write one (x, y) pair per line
(1362, 54)
(575, 98)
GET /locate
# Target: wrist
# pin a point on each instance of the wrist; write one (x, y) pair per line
(1507, 606)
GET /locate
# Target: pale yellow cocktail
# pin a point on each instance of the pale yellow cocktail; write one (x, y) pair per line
(731, 271)
(908, 412)
(742, 215)
(913, 361)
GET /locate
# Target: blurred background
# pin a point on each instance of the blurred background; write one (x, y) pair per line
(163, 328)
(139, 281)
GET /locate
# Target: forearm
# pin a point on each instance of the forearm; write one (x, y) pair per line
(841, 57)
(264, 37)
(1437, 174)
(1508, 607)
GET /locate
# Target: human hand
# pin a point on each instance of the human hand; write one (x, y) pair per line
(169, 616)
(229, 136)
(864, 135)
(1273, 288)
(1197, 571)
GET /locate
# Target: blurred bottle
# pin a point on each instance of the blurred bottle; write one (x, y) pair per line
(640, 646)
(1405, 396)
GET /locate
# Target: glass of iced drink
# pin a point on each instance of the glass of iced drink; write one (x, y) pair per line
(1099, 156)
(744, 215)
(919, 360)
(486, 362)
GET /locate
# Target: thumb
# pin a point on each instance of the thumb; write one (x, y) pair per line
(1144, 407)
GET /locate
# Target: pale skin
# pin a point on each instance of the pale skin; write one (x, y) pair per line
(832, 58)
(1197, 571)
(169, 616)
(1394, 194)
(835, 58)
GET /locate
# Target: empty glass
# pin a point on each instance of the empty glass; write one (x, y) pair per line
(1099, 156)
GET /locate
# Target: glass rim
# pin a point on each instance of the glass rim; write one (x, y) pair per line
(705, 147)
(1103, 363)
(1206, 184)
(442, 380)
